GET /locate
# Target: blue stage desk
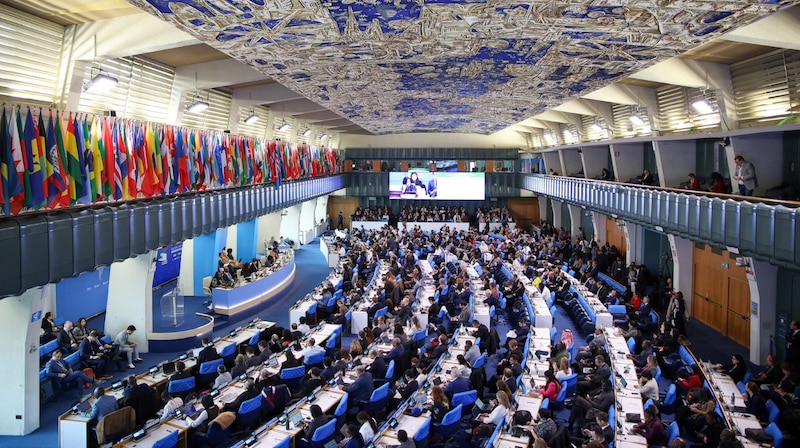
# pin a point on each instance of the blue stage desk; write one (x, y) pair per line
(228, 301)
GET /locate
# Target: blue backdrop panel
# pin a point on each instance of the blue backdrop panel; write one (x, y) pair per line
(246, 240)
(206, 255)
(168, 264)
(84, 295)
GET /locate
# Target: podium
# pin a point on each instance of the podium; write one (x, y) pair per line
(172, 308)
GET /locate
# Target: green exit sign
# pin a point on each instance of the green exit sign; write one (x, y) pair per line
(724, 265)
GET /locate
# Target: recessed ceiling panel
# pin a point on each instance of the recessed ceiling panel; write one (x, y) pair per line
(452, 65)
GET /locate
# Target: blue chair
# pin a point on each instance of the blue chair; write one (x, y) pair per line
(465, 399)
(106, 339)
(215, 435)
(545, 404)
(774, 411)
(311, 314)
(291, 377)
(648, 403)
(668, 405)
(249, 412)
(553, 333)
(492, 314)
(168, 441)
(480, 361)
(208, 372)
(348, 317)
(253, 342)
(631, 345)
(746, 378)
(421, 437)
(450, 423)
(48, 348)
(420, 336)
(777, 436)
(612, 416)
(741, 386)
(657, 376)
(285, 443)
(323, 434)
(377, 401)
(571, 383)
(181, 388)
(330, 347)
(73, 360)
(672, 432)
(314, 360)
(558, 405)
(228, 353)
(340, 413)
(390, 371)
(381, 312)
(477, 342)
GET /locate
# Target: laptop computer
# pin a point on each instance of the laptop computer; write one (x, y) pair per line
(168, 368)
(420, 400)
(482, 406)
(82, 406)
(330, 444)
(296, 417)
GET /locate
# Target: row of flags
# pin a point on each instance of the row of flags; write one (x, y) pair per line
(52, 159)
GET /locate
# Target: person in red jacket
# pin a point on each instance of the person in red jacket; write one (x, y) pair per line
(686, 382)
(552, 387)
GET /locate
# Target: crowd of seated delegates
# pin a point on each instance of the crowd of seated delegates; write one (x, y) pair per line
(495, 214)
(715, 183)
(229, 270)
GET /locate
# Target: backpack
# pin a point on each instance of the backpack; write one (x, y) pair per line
(90, 373)
(546, 428)
(522, 417)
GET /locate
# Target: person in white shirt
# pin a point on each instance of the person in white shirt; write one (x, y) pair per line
(303, 326)
(223, 378)
(472, 352)
(210, 411)
(368, 426)
(648, 386)
(172, 404)
(499, 412)
(311, 349)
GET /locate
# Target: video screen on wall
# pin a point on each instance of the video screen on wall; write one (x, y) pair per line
(425, 185)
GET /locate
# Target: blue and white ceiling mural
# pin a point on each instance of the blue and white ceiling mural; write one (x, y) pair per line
(452, 65)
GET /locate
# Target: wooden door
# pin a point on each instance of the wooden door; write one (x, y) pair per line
(616, 236)
(738, 324)
(709, 300)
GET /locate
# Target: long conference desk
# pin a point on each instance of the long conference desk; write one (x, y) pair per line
(73, 427)
(228, 301)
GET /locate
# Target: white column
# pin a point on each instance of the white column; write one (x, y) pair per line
(575, 217)
(556, 213)
(130, 298)
(633, 238)
(763, 280)
(682, 267)
(186, 276)
(22, 316)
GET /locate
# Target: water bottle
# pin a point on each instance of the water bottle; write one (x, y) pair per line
(733, 399)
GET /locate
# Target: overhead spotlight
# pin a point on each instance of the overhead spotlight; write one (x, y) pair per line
(596, 127)
(307, 132)
(284, 126)
(323, 137)
(100, 83)
(198, 107)
(549, 139)
(252, 118)
(636, 120)
(702, 106)
(568, 134)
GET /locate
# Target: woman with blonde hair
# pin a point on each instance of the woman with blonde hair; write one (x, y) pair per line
(563, 369)
(441, 405)
(355, 348)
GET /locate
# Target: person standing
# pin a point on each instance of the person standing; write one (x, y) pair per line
(340, 221)
(745, 176)
(793, 344)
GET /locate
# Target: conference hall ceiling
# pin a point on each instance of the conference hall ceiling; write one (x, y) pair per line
(452, 65)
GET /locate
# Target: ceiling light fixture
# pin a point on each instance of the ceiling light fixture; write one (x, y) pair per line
(702, 106)
(307, 132)
(101, 82)
(568, 134)
(284, 126)
(596, 127)
(549, 138)
(636, 119)
(198, 106)
(323, 137)
(252, 118)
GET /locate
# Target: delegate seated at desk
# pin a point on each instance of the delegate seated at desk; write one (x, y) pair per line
(102, 406)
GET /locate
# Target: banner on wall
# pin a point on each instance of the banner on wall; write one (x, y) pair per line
(168, 264)
(84, 295)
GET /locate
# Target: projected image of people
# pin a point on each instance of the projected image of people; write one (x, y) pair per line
(436, 185)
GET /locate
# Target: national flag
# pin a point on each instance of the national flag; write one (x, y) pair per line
(73, 163)
(167, 158)
(96, 171)
(121, 158)
(34, 163)
(41, 148)
(84, 144)
(182, 156)
(11, 182)
(144, 179)
(57, 180)
(110, 168)
(153, 159)
(129, 136)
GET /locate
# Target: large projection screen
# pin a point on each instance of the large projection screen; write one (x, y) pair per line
(424, 185)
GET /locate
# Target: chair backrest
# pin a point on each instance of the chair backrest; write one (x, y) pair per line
(330, 343)
(421, 334)
(314, 359)
(228, 350)
(210, 366)
(777, 436)
(124, 422)
(312, 309)
(452, 417)
(390, 370)
(341, 408)
(466, 398)
(423, 431)
(545, 404)
(672, 395)
(293, 372)
(254, 340)
(571, 382)
(631, 344)
(251, 405)
(168, 441)
(285, 443)
(324, 432)
(774, 411)
(562, 394)
(648, 403)
(381, 312)
(480, 361)
(612, 416)
(178, 386)
(741, 386)
(215, 434)
(380, 393)
(672, 432)
(106, 339)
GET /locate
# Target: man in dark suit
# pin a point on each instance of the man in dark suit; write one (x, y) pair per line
(208, 353)
(440, 348)
(378, 366)
(590, 383)
(793, 344)
(397, 351)
(582, 405)
(90, 354)
(459, 384)
(329, 371)
(180, 372)
(360, 390)
(66, 341)
(411, 385)
(481, 331)
(134, 391)
(311, 381)
(249, 392)
(60, 371)
(318, 419)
